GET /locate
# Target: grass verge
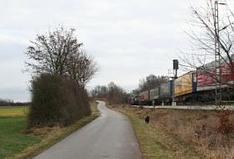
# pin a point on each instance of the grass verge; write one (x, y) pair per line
(156, 142)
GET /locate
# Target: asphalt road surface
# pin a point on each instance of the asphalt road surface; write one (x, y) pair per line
(110, 136)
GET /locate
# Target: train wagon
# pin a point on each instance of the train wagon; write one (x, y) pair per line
(165, 93)
(134, 100)
(184, 86)
(144, 98)
(208, 76)
(205, 77)
(208, 79)
(154, 96)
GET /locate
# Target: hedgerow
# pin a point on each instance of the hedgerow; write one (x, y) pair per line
(56, 101)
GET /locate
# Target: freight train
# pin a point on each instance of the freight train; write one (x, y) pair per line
(199, 86)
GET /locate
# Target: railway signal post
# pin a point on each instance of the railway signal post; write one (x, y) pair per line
(175, 68)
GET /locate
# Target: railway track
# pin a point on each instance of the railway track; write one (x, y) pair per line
(194, 107)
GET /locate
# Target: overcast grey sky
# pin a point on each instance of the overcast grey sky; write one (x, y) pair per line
(129, 39)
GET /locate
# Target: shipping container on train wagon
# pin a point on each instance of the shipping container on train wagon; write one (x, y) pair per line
(154, 96)
(165, 93)
(207, 75)
(133, 100)
(184, 86)
(208, 80)
(144, 97)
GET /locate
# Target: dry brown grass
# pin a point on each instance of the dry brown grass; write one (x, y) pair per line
(197, 129)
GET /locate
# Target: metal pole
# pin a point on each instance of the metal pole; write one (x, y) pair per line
(218, 72)
(215, 24)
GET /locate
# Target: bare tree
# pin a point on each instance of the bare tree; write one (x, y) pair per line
(152, 81)
(49, 53)
(116, 94)
(213, 38)
(58, 52)
(81, 68)
(113, 93)
(99, 91)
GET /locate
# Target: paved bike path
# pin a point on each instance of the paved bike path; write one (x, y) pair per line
(110, 136)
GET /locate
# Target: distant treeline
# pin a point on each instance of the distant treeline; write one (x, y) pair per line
(7, 102)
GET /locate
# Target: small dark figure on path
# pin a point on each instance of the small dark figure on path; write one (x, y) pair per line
(147, 119)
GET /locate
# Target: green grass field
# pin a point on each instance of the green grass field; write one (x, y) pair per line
(15, 144)
(12, 138)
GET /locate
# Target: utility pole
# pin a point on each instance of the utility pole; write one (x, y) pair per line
(218, 70)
